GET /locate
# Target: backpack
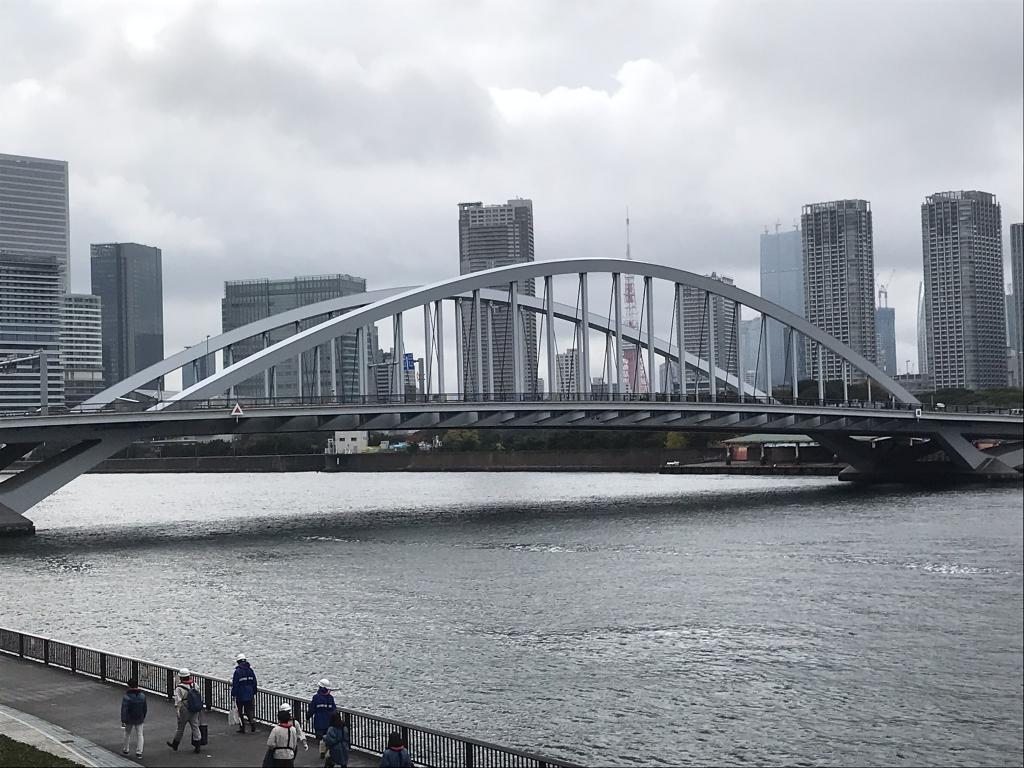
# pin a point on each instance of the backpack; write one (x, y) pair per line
(194, 701)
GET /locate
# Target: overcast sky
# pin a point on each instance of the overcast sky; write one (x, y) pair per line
(272, 139)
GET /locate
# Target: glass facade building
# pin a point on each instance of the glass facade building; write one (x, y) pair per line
(31, 309)
(34, 210)
(246, 301)
(782, 282)
(128, 278)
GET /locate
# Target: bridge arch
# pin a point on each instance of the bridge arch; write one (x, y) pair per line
(388, 306)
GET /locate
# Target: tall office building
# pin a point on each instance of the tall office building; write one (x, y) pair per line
(922, 333)
(668, 378)
(1012, 361)
(128, 278)
(839, 281)
(961, 240)
(1017, 275)
(246, 301)
(31, 309)
(496, 236)
(81, 340)
(782, 282)
(567, 364)
(706, 315)
(885, 330)
(34, 210)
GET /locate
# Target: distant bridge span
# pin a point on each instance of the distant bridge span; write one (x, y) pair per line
(709, 396)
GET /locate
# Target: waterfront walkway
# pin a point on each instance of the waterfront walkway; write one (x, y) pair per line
(92, 710)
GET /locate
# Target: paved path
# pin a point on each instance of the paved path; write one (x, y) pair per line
(92, 710)
(53, 739)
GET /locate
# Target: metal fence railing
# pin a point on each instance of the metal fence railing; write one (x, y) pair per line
(427, 746)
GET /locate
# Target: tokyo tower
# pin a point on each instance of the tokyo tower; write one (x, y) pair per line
(632, 361)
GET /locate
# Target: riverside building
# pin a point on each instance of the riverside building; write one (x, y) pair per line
(782, 281)
(81, 340)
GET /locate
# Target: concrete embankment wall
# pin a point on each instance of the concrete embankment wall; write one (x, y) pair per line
(634, 460)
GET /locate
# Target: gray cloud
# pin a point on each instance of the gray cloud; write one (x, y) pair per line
(267, 139)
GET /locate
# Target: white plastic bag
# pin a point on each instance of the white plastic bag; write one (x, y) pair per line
(233, 718)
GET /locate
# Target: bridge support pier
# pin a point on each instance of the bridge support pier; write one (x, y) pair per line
(945, 457)
(20, 493)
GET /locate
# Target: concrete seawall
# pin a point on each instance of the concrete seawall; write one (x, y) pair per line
(630, 460)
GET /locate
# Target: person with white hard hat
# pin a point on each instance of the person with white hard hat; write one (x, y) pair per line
(320, 709)
(189, 705)
(243, 691)
(283, 741)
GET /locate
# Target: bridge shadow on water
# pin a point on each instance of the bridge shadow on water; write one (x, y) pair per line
(694, 507)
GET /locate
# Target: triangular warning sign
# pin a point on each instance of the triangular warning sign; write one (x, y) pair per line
(237, 410)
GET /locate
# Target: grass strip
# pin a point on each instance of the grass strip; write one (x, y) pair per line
(14, 753)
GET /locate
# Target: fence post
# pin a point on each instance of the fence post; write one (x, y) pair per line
(170, 684)
(46, 651)
(208, 693)
(74, 658)
(405, 735)
(21, 645)
(469, 754)
(135, 670)
(103, 666)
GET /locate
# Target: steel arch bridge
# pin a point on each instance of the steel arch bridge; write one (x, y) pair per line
(496, 378)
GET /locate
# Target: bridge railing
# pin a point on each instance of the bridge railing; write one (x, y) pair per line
(427, 746)
(722, 398)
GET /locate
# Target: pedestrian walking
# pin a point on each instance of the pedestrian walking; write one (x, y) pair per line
(320, 709)
(243, 691)
(283, 741)
(396, 755)
(188, 703)
(133, 715)
(338, 740)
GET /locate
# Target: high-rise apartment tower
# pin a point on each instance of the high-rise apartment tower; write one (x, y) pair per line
(839, 280)
(706, 317)
(81, 340)
(961, 241)
(496, 236)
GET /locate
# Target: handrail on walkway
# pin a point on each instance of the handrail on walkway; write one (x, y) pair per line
(369, 732)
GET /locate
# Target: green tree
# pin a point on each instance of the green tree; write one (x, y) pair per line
(676, 440)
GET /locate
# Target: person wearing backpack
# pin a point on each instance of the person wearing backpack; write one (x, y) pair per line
(338, 741)
(320, 709)
(243, 691)
(133, 715)
(189, 704)
(283, 742)
(396, 755)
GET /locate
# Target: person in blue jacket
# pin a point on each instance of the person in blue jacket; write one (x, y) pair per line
(338, 741)
(133, 715)
(396, 755)
(243, 691)
(321, 707)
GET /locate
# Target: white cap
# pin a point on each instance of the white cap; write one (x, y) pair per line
(324, 683)
(286, 707)
(183, 672)
(240, 657)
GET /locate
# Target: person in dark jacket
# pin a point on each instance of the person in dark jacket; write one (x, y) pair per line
(321, 707)
(133, 715)
(338, 741)
(396, 755)
(243, 691)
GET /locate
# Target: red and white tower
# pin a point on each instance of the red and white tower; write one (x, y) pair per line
(632, 361)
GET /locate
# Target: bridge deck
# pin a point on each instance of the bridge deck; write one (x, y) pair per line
(91, 709)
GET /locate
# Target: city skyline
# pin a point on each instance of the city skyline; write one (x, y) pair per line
(643, 117)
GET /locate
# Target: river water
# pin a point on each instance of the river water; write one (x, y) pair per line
(611, 619)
